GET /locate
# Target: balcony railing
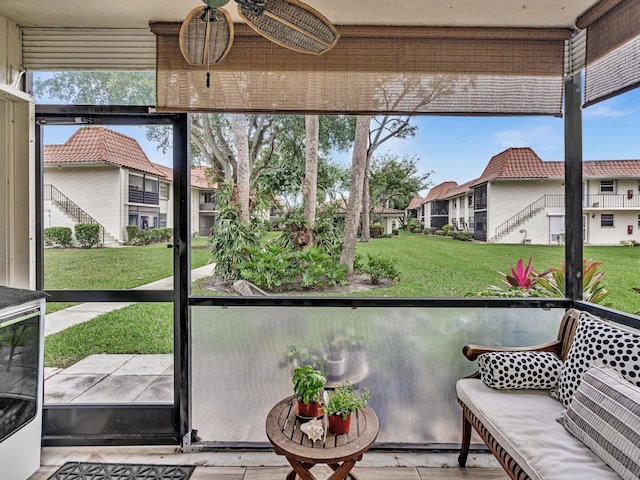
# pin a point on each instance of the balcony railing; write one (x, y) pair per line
(208, 207)
(140, 196)
(608, 201)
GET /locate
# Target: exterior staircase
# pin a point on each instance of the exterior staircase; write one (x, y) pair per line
(528, 212)
(67, 205)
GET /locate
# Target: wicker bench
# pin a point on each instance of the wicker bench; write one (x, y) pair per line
(520, 427)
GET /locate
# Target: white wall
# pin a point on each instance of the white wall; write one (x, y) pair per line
(10, 52)
(96, 190)
(17, 188)
(598, 235)
(507, 198)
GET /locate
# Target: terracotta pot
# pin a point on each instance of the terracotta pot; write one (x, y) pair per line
(308, 409)
(339, 426)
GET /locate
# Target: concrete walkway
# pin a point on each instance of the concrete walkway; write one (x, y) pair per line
(62, 319)
(110, 378)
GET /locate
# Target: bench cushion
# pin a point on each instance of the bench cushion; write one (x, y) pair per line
(524, 423)
(596, 340)
(605, 415)
(522, 370)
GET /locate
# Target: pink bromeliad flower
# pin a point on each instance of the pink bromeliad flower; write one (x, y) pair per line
(521, 276)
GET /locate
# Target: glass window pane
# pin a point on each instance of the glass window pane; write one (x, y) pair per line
(243, 359)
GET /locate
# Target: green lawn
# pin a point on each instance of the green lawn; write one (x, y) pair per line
(434, 266)
(430, 266)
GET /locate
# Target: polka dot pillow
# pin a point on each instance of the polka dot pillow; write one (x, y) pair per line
(596, 340)
(520, 370)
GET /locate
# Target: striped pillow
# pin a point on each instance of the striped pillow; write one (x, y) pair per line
(605, 415)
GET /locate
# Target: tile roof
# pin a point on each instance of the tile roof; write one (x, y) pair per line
(166, 171)
(439, 191)
(519, 163)
(611, 168)
(101, 145)
(415, 203)
(459, 190)
(199, 177)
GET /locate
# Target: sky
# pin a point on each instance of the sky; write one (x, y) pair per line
(459, 148)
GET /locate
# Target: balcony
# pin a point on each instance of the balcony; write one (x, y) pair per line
(140, 196)
(603, 201)
(208, 207)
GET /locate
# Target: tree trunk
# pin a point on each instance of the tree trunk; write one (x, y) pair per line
(365, 236)
(241, 139)
(358, 164)
(310, 181)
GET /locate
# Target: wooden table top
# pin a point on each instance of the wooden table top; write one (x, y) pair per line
(283, 431)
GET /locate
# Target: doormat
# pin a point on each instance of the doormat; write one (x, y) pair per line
(121, 471)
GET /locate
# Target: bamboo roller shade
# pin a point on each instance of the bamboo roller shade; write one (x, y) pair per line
(373, 70)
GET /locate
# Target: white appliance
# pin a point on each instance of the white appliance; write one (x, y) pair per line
(21, 381)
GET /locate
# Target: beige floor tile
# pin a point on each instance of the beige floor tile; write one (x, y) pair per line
(462, 473)
(218, 473)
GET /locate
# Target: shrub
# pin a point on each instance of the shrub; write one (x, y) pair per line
(142, 238)
(231, 239)
(276, 268)
(387, 235)
(168, 234)
(87, 234)
(376, 230)
(132, 232)
(442, 233)
(553, 282)
(395, 231)
(413, 224)
(379, 268)
(157, 235)
(461, 235)
(629, 243)
(57, 236)
(429, 230)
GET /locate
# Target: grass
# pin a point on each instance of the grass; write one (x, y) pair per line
(112, 268)
(430, 266)
(145, 328)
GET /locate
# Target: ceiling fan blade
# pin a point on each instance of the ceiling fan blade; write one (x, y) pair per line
(291, 24)
(206, 35)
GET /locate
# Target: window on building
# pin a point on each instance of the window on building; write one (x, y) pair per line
(136, 182)
(606, 220)
(164, 190)
(638, 220)
(151, 185)
(470, 200)
(607, 186)
(162, 220)
(455, 203)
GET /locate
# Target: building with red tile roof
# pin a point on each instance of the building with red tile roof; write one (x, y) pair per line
(109, 177)
(520, 198)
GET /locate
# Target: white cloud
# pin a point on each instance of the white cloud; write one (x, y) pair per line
(539, 138)
(608, 110)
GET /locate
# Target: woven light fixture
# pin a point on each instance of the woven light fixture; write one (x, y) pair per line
(206, 34)
(291, 24)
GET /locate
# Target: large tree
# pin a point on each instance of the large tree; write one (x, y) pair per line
(354, 207)
(310, 180)
(395, 180)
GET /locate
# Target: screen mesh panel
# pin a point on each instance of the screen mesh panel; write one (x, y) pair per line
(374, 70)
(613, 50)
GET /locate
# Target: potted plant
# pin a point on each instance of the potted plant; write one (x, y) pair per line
(341, 403)
(308, 385)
